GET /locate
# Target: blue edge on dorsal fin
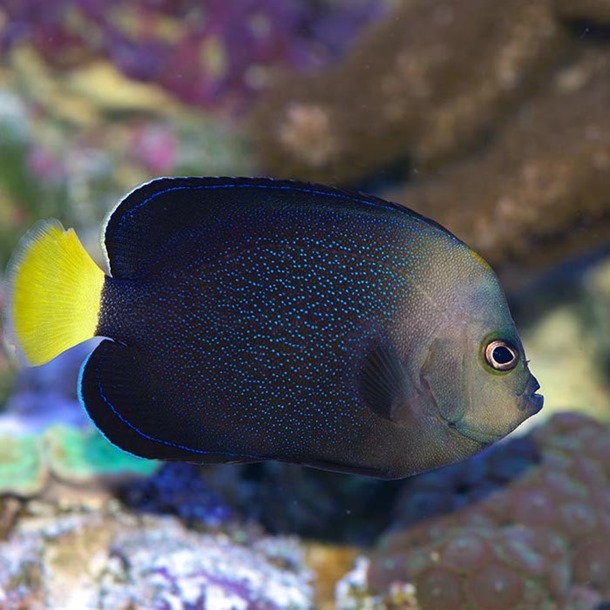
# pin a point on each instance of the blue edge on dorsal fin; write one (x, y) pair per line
(141, 225)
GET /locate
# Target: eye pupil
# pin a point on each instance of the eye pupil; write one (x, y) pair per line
(501, 355)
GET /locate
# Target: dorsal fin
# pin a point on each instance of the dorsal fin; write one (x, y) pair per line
(141, 228)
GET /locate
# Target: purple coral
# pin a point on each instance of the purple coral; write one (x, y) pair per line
(524, 525)
(208, 53)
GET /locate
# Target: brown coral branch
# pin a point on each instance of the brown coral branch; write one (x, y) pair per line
(425, 82)
(526, 528)
(542, 189)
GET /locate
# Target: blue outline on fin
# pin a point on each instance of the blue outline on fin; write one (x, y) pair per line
(271, 186)
(280, 185)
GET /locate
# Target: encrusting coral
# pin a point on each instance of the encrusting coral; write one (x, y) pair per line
(22, 468)
(526, 525)
(72, 455)
(113, 560)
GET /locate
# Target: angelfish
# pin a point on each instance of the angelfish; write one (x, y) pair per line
(250, 319)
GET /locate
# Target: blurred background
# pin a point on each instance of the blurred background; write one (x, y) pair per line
(491, 117)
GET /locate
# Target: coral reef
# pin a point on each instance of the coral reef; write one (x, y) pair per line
(113, 560)
(22, 468)
(525, 525)
(541, 192)
(492, 117)
(63, 454)
(324, 506)
(77, 456)
(181, 490)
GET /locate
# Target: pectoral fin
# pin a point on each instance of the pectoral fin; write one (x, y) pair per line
(384, 383)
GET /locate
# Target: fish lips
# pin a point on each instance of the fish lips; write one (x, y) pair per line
(529, 400)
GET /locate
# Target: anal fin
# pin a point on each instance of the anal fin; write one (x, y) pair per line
(116, 394)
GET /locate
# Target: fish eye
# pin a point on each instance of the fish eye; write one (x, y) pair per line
(501, 355)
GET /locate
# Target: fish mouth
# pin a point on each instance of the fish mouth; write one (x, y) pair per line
(529, 400)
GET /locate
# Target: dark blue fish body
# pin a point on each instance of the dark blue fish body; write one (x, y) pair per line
(251, 319)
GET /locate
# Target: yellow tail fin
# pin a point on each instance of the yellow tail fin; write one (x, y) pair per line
(55, 296)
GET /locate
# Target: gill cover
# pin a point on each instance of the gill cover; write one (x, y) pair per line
(443, 377)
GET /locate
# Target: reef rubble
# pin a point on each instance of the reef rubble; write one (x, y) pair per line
(114, 560)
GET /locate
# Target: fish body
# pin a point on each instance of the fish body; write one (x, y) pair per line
(253, 319)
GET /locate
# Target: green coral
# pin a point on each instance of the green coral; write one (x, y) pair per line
(79, 456)
(71, 454)
(22, 468)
